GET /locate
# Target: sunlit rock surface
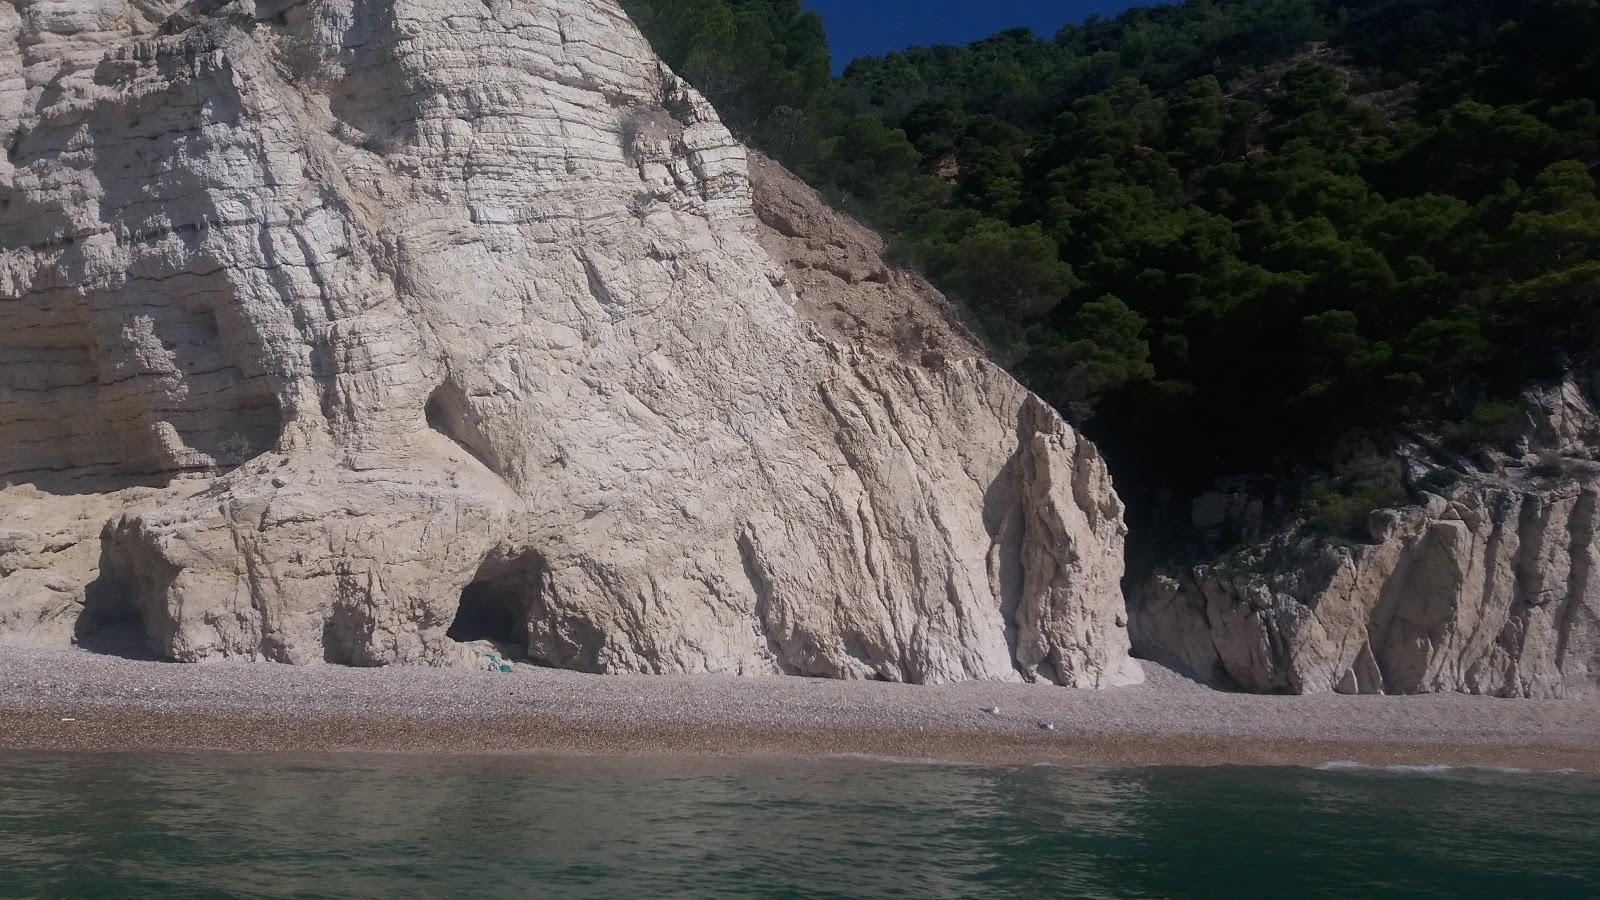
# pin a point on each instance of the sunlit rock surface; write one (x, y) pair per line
(353, 331)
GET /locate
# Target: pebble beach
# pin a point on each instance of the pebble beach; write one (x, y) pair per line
(74, 700)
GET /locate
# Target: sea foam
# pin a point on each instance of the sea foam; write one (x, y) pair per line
(1430, 770)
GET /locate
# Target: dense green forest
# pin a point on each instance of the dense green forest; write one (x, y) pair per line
(1227, 236)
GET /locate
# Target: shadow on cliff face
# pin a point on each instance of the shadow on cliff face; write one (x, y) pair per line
(188, 383)
(449, 412)
(111, 622)
(1003, 519)
(81, 482)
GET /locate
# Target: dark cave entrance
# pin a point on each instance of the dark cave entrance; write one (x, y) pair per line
(488, 613)
(111, 622)
(496, 606)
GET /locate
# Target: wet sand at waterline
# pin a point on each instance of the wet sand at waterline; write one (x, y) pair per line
(73, 700)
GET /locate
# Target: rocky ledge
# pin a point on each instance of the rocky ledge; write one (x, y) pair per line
(1490, 585)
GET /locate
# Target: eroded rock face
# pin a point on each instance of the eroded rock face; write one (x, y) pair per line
(1490, 587)
(339, 330)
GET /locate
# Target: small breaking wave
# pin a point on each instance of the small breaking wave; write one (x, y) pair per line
(1432, 770)
(904, 760)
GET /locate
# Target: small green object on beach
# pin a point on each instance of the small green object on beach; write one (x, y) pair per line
(496, 663)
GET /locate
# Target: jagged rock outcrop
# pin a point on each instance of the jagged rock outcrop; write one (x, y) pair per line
(339, 330)
(1490, 586)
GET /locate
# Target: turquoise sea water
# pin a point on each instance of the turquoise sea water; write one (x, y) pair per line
(122, 825)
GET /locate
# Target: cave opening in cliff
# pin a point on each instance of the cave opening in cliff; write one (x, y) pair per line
(488, 612)
(495, 607)
(110, 624)
(110, 621)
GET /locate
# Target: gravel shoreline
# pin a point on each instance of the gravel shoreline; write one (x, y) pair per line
(73, 700)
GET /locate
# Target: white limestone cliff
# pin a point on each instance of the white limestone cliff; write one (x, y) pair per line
(327, 326)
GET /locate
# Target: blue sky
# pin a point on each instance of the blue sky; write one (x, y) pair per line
(867, 27)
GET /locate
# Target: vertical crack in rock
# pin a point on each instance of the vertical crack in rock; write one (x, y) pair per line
(765, 623)
(1578, 627)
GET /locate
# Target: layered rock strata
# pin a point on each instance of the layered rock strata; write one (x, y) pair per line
(349, 331)
(1488, 586)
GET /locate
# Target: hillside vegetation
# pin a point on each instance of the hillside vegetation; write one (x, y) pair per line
(1228, 236)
